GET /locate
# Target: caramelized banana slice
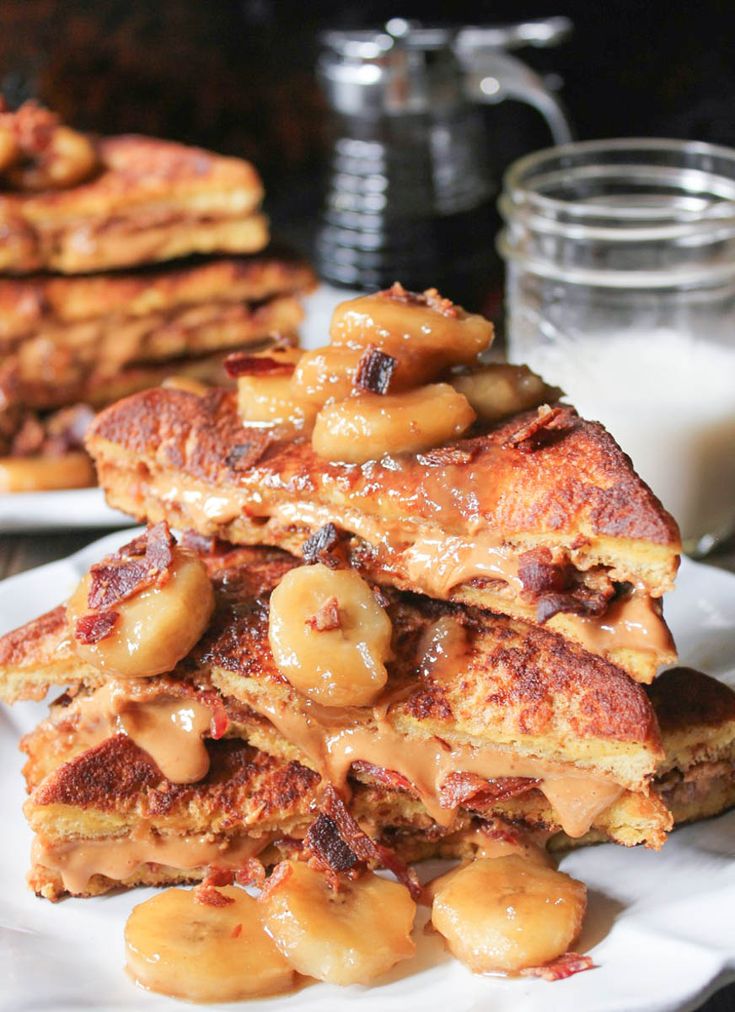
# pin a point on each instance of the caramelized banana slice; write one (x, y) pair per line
(499, 391)
(368, 426)
(155, 628)
(329, 636)
(345, 936)
(506, 913)
(38, 474)
(325, 374)
(180, 947)
(270, 401)
(425, 330)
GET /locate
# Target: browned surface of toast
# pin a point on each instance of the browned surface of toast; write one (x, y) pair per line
(178, 195)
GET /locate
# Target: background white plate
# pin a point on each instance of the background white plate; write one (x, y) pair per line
(660, 926)
(86, 507)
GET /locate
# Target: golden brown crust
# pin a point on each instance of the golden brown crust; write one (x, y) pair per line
(426, 522)
(30, 304)
(243, 786)
(98, 361)
(683, 698)
(145, 184)
(580, 482)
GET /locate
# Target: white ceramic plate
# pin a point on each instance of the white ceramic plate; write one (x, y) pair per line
(660, 926)
(86, 507)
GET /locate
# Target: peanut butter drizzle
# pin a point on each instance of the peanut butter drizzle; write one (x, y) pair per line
(631, 623)
(170, 729)
(435, 563)
(334, 745)
(119, 858)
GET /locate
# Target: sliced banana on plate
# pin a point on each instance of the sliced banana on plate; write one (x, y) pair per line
(180, 947)
(504, 914)
(345, 936)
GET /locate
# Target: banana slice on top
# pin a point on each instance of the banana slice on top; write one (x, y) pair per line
(501, 390)
(178, 946)
(37, 474)
(151, 630)
(329, 636)
(345, 936)
(422, 328)
(504, 914)
(368, 426)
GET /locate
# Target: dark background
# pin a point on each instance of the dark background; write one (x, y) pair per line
(237, 75)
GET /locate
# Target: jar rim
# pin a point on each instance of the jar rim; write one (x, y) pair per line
(681, 170)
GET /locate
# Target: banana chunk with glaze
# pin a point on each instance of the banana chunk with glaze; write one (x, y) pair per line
(348, 935)
(505, 914)
(329, 636)
(133, 620)
(180, 947)
(423, 331)
(368, 426)
(501, 390)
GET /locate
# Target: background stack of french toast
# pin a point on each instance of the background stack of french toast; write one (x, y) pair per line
(412, 609)
(96, 300)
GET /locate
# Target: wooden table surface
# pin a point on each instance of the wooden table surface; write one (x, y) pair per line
(23, 551)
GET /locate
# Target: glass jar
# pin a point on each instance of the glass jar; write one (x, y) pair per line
(620, 263)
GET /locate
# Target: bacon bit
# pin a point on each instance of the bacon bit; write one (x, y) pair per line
(430, 297)
(458, 788)
(214, 875)
(561, 968)
(581, 601)
(539, 574)
(144, 561)
(499, 829)
(236, 931)
(243, 455)
(251, 872)
(387, 778)
(375, 370)
(200, 544)
(324, 841)
(525, 437)
(365, 848)
(96, 626)
(242, 364)
(324, 546)
(220, 721)
(208, 896)
(443, 455)
(278, 876)
(327, 617)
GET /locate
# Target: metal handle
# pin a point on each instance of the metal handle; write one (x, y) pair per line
(492, 75)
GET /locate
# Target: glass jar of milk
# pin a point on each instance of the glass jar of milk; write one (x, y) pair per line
(621, 289)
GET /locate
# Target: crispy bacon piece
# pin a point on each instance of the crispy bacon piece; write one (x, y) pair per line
(440, 456)
(430, 297)
(387, 778)
(554, 589)
(279, 874)
(327, 618)
(375, 370)
(459, 788)
(539, 574)
(324, 841)
(363, 847)
(327, 545)
(143, 562)
(581, 601)
(206, 894)
(245, 455)
(251, 872)
(96, 626)
(526, 437)
(220, 721)
(242, 364)
(561, 968)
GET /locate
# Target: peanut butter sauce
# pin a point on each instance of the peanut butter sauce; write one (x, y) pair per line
(119, 858)
(632, 623)
(169, 728)
(334, 744)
